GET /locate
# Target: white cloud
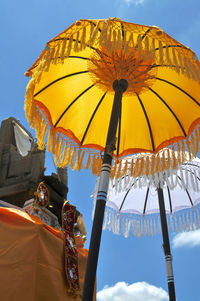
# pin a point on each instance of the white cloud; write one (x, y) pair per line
(139, 291)
(136, 2)
(188, 239)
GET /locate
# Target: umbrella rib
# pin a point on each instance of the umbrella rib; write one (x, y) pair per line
(187, 192)
(181, 126)
(126, 195)
(148, 122)
(92, 117)
(166, 81)
(170, 200)
(180, 46)
(146, 197)
(144, 35)
(61, 116)
(58, 79)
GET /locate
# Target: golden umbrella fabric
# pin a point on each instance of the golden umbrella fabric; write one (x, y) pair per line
(70, 96)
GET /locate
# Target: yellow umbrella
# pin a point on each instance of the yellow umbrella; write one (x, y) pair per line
(154, 81)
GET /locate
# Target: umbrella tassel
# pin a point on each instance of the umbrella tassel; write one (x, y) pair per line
(83, 44)
(163, 161)
(168, 59)
(119, 169)
(113, 47)
(63, 155)
(136, 167)
(70, 46)
(94, 34)
(174, 160)
(94, 164)
(50, 58)
(152, 164)
(189, 149)
(76, 166)
(40, 142)
(49, 140)
(153, 48)
(81, 161)
(76, 44)
(187, 71)
(103, 36)
(181, 62)
(132, 167)
(194, 71)
(72, 159)
(62, 55)
(119, 40)
(113, 169)
(175, 61)
(88, 162)
(197, 141)
(139, 46)
(157, 165)
(161, 60)
(56, 55)
(146, 165)
(126, 45)
(67, 157)
(125, 168)
(141, 166)
(147, 52)
(58, 152)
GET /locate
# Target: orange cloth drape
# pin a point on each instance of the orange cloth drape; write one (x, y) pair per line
(32, 259)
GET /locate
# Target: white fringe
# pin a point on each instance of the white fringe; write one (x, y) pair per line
(149, 225)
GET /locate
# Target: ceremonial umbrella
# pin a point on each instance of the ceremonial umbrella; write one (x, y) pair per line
(105, 78)
(132, 206)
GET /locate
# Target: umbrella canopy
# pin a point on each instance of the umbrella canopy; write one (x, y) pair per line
(132, 204)
(70, 94)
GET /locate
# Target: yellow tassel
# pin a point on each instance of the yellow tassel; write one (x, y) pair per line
(83, 44)
(81, 160)
(57, 54)
(189, 149)
(152, 164)
(125, 168)
(187, 70)
(147, 166)
(58, 152)
(92, 26)
(139, 46)
(52, 51)
(70, 46)
(119, 40)
(76, 45)
(174, 160)
(168, 159)
(182, 145)
(62, 55)
(88, 162)
(168, 55)
(126, 47)
(193, 71)
(161, 61)
(113, 170)
(49, 141)
(40, 141)
(103, 36)
(181, 62)
(147, 52)
(94, 164)
(153, 48)
(136, 168)
(193, 145)
(163, 161)
(141, 166)
(77, 164)
(71, 163)
(63, 155)
(98, 167)
(68, 156)
(113, 47)
(94, 34)
(132, 167)
(157, 159)
(179, 153)
(119, 169)
(108, 42)
(175, 61)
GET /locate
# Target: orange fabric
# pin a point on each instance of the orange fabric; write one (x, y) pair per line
(32, 259)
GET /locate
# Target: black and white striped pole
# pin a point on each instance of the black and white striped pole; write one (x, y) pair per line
(119, 87)
(166, 246)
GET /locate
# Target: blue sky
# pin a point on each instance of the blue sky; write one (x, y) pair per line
(132, 267)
